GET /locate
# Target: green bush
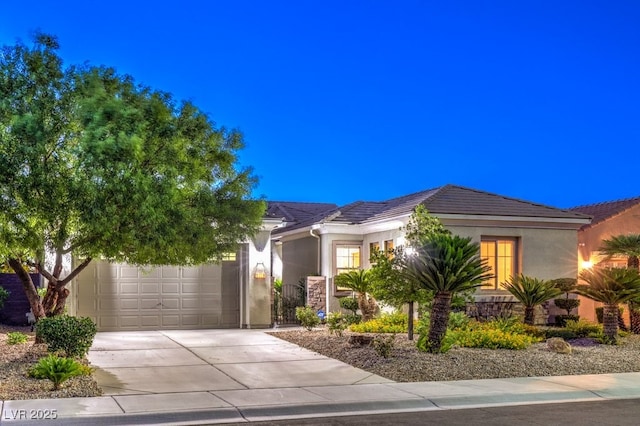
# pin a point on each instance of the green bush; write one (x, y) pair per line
(563, 333)
(16, 338)
(58, 369)
(4, 295)
(496, 334)
(307, 316)
(71, 335)
(384, 345)
(561, 320)
(352, 319)
(583, 328)
(386, 323)
(336, 323)
(349, 303)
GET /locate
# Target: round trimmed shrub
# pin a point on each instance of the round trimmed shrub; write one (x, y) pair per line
(71, 335)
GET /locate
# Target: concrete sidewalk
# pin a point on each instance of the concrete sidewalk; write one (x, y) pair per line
(225, 376)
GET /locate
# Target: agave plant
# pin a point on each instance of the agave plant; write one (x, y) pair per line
(531, 292)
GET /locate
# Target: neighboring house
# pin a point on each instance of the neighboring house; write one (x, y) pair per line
(516, 236)
(233, 294)
(609, 219)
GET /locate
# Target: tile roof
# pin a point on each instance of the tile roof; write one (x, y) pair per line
(448, 199)
(606, 210)
(296, 211)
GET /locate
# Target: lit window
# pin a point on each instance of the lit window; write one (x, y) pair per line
(500, 255)
(388, 248)
(347, 259)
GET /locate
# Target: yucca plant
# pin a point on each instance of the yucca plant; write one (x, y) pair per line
(611, 286)
(531, 292)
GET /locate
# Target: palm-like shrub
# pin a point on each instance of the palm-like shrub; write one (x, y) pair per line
(611, 286)
(446, 264)
(58, 369)
(531, 292)
(360, 282)
(629, 246)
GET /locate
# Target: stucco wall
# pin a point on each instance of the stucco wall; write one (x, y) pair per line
(590, 239)
(299, 259)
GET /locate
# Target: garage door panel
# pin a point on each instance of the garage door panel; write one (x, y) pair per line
(170, 288)
(148, 288)
(129, 287)
(123, 297)
(129, 304)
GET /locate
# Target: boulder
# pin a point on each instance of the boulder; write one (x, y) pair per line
(558, 345)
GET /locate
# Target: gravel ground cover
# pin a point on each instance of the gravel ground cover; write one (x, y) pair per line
(408, 364)
(15, 361)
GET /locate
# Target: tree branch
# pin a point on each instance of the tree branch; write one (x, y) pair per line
(76, 271)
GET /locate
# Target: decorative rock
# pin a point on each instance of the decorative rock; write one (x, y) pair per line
(558, 345)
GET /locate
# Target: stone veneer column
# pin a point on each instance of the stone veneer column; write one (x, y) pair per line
(316, 293)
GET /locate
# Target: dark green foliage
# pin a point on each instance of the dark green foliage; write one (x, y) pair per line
(307, 316)
(96, 164)
(352, 319)
(445, 265)
(530, 292)
(567, 304)
(58, 369)
(71, 335)
(4, 295)
(561, 320)
(560, 332)
(349, 303)
(584, 328)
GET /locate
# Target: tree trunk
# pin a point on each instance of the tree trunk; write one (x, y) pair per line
(529, 315)
(439, 320)
(29, 289)
(367, 306)
(410, 321)
(610, 322)
(634, 317)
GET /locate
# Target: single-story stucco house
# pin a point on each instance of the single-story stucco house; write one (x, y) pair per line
(516, 236)
(320, 240)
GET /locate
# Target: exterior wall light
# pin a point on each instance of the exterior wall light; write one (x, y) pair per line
(261, 271)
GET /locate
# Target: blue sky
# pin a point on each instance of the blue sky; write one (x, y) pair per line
(367, 100)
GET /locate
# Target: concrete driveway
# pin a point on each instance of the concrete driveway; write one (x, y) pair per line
(153, 362)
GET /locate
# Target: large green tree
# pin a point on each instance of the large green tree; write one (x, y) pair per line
(628, 246)
(446, 264)
(94, 165)
(611, 286)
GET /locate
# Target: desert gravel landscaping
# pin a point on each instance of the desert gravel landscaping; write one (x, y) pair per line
(15, 361)
(406, 363)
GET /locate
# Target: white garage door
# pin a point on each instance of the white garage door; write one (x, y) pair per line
(125, 297)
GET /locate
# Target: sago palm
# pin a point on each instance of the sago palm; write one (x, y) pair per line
(611, 286)
(361, 282)
(628, 246)
(445, 265)
(531, 292)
